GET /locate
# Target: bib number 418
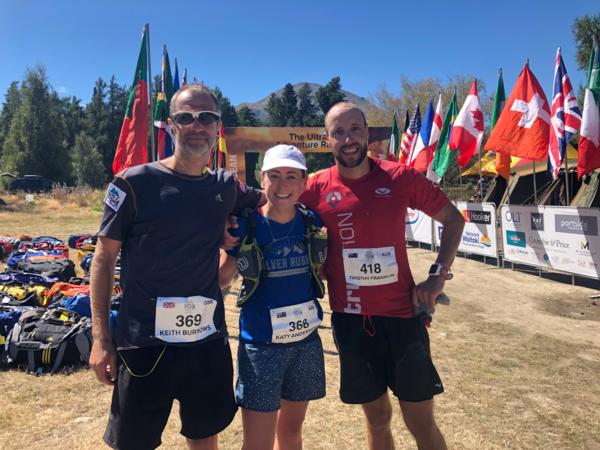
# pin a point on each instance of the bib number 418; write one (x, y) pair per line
(370, 268)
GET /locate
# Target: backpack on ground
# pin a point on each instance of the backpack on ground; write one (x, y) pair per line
(47, 340)
(63, 269)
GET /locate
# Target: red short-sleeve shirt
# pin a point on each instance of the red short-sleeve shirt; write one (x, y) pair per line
(365, 220)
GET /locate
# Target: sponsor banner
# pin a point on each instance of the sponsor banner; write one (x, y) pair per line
(418, 226)
(552, 237)
(244, 144)
(479, 234)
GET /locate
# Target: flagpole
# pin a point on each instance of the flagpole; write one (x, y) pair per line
(567, 187)
(150, 115)
(534, 184)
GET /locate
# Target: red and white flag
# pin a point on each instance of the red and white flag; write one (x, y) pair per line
(467, 132)
(436, 130)
(523, 128)
(588, 158)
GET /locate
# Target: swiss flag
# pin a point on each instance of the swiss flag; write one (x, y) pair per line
(523, 128)
(588, 158)
(467, 131)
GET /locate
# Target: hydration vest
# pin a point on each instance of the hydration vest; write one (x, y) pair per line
(250, 259)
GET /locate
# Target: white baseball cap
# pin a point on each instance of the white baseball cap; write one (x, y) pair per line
(283, 155)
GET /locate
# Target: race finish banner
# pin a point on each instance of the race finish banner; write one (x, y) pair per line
(479, 234)
(554, 237)
(417, 227)
(244, 145)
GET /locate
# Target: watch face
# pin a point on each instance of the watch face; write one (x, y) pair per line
(435, 269)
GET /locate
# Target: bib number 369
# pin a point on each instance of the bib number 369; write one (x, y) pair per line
(188, 321)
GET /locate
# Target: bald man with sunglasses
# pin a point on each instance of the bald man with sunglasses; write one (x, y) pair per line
(167, 220)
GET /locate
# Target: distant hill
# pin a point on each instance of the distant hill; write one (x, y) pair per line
(260, 106)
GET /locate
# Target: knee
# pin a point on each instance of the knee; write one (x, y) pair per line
(379, 417)
(290, 430)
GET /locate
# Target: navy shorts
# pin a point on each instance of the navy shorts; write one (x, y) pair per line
(377, 353)
(199, 376)
(268, 373)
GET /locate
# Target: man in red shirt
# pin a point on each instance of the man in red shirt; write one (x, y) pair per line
(381, 343)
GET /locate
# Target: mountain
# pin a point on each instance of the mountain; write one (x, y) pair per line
(260, 106)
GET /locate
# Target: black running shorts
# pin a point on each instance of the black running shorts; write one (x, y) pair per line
(381, 352)
(200, 377)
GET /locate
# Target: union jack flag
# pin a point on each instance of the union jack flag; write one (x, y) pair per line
(410, 137)
(565, 116)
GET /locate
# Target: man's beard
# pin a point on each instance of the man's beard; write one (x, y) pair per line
(351, 161)
(198, 148)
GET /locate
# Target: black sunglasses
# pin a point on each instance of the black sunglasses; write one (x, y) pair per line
(203, 117)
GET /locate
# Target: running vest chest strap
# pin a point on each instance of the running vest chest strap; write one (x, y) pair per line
(250, 258)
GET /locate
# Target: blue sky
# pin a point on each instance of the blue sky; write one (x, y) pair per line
(250, 48)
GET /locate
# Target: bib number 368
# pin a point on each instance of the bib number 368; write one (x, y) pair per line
(299, 325)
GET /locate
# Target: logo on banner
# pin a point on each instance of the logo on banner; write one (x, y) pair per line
(412, 216)
(512, 216)
(483, 217)
(516, 238)
(469, 237)
(537, 221)
(576, 224)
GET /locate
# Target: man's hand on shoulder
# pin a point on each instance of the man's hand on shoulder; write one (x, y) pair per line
(229, 241)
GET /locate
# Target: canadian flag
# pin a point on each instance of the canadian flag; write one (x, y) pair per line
(467, 132)
(523, 128)
(588, 158)
(436, 130)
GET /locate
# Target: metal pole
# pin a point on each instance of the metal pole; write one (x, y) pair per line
(567, 187)
(534, 184)
(152, 144)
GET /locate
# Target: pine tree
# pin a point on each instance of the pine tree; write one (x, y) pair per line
(247, 118)
(228, 114)
(9, 108)
(289, 105)
(87, 162)
(307, 115)
(96, 125)
(276, 112)
(330, 94)
(36, 140)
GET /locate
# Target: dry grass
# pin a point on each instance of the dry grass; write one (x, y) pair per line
(511, 381)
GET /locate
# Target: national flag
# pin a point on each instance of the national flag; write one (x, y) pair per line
(594, 70)
(502, 161)
(467, 132)
(588, 157)
(164, 137)
(218, 158)
(565, 118)
(394, 140)
(132, 147)
(184, 78)
(524, 125)
(409, 139)
(419, 158)
(436, 130)
(444, 157)
(176, 78)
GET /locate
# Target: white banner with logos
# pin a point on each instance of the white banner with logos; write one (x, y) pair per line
(479, 234)
(417, 226)
(556, 237)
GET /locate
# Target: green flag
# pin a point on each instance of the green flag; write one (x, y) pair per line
(594, 71)
(394, 139)
(164, 145)
(502, 160)
(444, 157)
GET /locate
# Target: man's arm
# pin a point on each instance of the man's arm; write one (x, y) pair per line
(227, 269)
(103, 356)
(427, 291)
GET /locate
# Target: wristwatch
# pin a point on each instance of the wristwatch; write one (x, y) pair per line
(440, 270)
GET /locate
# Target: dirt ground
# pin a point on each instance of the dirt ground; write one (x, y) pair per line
(519, 357)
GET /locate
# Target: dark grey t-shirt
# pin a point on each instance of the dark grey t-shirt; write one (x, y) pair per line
(171, 226)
